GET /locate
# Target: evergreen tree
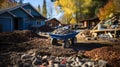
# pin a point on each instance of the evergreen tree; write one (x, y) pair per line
(39, 9)
(44, 10)
(21, 1)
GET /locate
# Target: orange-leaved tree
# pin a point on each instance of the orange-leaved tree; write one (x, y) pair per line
(107, 10)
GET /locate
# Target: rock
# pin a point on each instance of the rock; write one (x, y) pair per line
(102, 63)
(63, 61)
(62, 31)
(36, 61)
(62, 65)
(56, 65)
(57, 59)
(26, 56)
(27, 65)
(50, 63)
(69, 59)
(45, 57)
(85, 65)
(68, 65)
(90, 64)
(77, 59)
(85, 59)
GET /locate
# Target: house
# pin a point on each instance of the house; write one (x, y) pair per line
(53, 22)
(21, 17)
(89, 23)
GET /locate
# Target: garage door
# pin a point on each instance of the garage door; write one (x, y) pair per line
(5, 24)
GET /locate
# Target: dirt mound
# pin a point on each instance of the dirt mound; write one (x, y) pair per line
(17, 36)
(110, 54)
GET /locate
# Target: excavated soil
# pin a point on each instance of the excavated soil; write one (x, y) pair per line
(110, 54)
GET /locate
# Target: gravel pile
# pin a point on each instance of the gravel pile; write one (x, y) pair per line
(62, 31)
(34, 58)
(110, 54)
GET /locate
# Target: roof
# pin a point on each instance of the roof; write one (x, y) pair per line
(52, 20)
(8, 10)
(90, 19)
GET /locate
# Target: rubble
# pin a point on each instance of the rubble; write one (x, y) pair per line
(62, 31)
(35, 60)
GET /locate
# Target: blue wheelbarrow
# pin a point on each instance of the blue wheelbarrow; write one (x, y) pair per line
(66, 39)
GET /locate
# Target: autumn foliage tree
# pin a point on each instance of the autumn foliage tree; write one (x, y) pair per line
(78, 9)
(1, 1)
(117, 6)
(68, 7)
(8, 3)
(107, 10)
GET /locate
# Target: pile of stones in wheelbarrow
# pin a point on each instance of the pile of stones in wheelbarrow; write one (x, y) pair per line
(63, 31)
(36, 60)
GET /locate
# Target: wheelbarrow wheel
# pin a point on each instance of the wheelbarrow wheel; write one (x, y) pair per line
(74, 41)
(66, 44)
(53, 41)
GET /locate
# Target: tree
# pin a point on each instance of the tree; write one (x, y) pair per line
(44, 10)
(107, 10)
(50, 12)
(117, 5)
(7, 3)
(68, 7)
(1, 1)
(39, 9)
(21, 1)
(79, 9)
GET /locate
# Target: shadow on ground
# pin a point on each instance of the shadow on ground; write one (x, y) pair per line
(87, 46)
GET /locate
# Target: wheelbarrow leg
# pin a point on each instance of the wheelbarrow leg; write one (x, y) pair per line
(66, 44)
(74, 41)
(53, 41)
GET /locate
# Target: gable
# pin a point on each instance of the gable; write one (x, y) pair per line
(20, 13)
(31, 9)
(6, 14)
(53, 21)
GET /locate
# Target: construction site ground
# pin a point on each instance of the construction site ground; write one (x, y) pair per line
(25, 41)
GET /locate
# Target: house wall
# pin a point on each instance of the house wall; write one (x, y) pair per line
(34, 13)
(24, 19)
(20, 13)
(29, 23)
(6, 23)
(53, 23)
(42, 22)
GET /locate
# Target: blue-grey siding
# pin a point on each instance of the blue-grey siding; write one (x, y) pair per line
(25, 19)
(20, 13)
(6, 24)
(33, 12)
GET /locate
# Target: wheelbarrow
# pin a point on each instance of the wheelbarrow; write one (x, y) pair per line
(66, 39)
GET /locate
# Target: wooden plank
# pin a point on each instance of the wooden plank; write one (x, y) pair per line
(105, 30)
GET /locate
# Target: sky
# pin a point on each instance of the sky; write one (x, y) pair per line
(50, 6)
